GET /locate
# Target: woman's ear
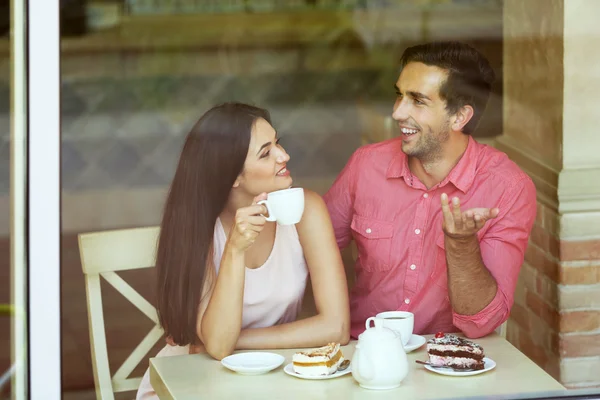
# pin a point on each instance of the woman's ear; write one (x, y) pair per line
(237, 182)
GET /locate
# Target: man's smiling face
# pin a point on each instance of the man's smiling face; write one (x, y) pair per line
(420, 112)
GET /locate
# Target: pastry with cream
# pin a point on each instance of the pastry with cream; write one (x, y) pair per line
(320, 361)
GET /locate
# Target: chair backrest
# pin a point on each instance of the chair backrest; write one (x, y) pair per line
(102, 254)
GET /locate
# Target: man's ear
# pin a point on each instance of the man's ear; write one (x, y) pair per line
(462, 117)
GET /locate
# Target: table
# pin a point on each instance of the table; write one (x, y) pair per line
(198, 376)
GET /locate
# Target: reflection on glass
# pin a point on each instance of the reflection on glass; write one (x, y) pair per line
(13, 202)
(13, 336)
(141, 72)
(6, 306)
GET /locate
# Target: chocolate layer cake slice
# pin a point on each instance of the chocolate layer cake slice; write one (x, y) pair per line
(446, 350)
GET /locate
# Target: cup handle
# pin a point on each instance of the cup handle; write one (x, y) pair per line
(368, 323)
(271, 216)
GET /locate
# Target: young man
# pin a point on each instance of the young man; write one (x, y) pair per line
(440, 221)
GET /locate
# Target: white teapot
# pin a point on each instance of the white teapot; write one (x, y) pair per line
(379, 361)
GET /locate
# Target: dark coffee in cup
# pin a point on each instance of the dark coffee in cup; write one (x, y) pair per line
(402, 322)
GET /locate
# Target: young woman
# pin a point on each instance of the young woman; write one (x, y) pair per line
(227, 278)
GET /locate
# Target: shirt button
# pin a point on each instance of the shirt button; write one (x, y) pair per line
(368, 230)
(413, 267)
(417, 231)
(407, 301)
(425, 195)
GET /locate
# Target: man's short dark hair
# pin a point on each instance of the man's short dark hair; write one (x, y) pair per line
(470, 75)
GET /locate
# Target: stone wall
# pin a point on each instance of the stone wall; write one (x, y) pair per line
(533, 107)
(579, 196)
(550, 87)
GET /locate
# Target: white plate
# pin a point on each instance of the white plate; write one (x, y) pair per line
(253, 363)
(289, 369)
(414, 343)
(488, 364)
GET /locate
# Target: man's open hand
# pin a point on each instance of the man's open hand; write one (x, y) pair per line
(458, 224)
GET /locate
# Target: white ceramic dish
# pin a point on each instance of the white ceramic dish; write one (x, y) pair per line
(252, 363)
(488, 364)
(414, 343)
(289, 369)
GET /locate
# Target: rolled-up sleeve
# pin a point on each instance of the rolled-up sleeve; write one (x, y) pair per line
(503, 251)
(340, 200)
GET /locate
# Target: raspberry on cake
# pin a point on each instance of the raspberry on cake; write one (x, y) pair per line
(446, 350)
(321, 361)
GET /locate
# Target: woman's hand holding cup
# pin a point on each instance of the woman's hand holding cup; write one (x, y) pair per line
(247, 224)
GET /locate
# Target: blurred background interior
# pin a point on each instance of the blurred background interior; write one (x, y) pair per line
(136, 74)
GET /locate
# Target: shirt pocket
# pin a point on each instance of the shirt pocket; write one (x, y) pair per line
(374, 241)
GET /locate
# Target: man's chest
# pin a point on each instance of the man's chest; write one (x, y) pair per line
(398, 226)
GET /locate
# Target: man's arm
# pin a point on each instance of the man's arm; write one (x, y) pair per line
(340, 200)
(471, 287)
(482, 276)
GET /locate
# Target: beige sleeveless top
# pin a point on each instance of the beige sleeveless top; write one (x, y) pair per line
(273, 292)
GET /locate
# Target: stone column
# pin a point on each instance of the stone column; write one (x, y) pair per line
(551, 90)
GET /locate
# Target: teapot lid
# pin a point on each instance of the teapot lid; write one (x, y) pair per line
(379, 332)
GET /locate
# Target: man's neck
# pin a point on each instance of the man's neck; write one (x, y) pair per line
(432, 172)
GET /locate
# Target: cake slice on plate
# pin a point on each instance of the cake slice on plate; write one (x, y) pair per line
(316, 362)
(447, 350)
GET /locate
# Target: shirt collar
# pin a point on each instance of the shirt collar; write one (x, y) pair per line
(398, 167)
(463, 173)
(461, 176)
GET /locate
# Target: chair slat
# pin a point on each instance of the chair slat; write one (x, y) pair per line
(130, 294)
(126, 385)
(102, 379)
(138, 353)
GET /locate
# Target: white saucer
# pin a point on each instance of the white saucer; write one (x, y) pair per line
(289, 369)
(488, 364)
(252, 363)
(414, 343)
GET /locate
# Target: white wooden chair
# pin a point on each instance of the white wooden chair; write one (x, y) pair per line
(102, 255)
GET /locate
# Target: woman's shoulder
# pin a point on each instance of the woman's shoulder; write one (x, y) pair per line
(315, 210)
(313, 202)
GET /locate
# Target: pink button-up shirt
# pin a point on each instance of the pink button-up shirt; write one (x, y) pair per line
(396, 223)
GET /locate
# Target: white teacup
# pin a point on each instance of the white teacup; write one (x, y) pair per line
(401, 322)
(285, 206)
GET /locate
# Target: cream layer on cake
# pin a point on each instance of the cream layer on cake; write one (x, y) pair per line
(441, 361)
(454, 348)
(316, 370)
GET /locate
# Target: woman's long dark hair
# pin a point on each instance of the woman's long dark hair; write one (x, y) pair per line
(211, 159)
